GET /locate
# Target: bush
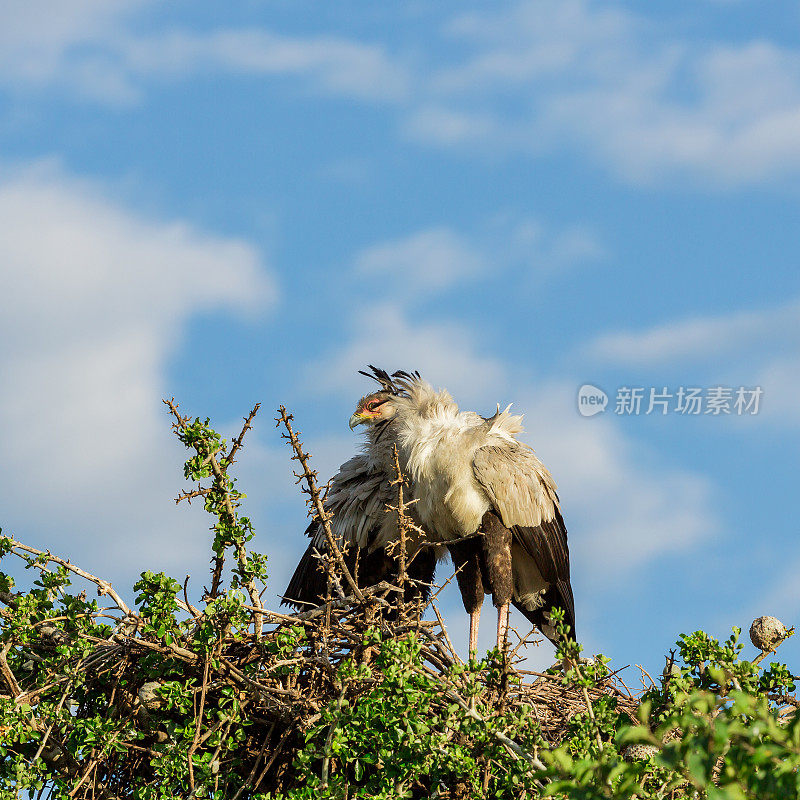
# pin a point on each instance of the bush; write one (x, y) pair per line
(361, 697)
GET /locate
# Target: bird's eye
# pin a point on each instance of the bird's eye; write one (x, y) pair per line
(371, 406)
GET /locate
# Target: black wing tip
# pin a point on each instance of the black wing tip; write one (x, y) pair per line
(540, 617)
(308, 583)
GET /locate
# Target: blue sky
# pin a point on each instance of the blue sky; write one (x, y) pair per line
(250, 201)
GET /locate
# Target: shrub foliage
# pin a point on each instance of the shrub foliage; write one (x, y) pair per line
(361, 697)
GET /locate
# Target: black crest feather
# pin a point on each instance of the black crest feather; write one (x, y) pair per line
(382, 377)
(397, 383)
(405, 380)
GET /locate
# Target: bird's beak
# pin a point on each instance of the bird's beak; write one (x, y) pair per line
(358, 419)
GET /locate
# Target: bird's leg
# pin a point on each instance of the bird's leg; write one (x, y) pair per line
(474, 619)
(497, 552)
(466, 560)
(502, 627)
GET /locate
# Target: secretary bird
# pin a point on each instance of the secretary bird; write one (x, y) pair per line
(485, 495)
(361, 524)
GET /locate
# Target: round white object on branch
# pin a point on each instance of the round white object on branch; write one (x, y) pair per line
(639, 752)
(766, 633)
(149, 697)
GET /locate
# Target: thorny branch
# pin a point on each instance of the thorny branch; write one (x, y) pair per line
(221, 487)
(237, 442)
(315, 499)
(403, 520)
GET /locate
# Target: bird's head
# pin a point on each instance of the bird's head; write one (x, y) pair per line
(382, 406)
(374, 409)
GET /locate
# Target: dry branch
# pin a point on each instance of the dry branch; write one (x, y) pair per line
(315, 499)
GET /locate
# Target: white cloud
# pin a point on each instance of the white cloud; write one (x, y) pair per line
(334, 64)
(547, 74)
(430, 261)
(527, 40)
(449, 127)
(541, 250)
(423, 262)
(532, 77)
(701, 337)
(94, 48)
(781, 379)
(45, 43)
(734, 126)
(36, 34)
(576, 244)
(383, 335)
(752, 348)
(96, 298)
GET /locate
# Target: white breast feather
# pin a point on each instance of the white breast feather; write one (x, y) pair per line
(438, 452)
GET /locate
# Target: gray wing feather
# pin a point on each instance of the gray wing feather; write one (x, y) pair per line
(517, 483)
(523, 492)
(357, 499)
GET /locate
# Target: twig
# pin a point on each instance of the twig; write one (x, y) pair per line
(103, 586)
(278, 747)
(646, 673)
(195, 612)
(16, 691)
(249, 780)
(237, 442)
(445, 633)
(588, 702)
(324, 518)
(402, 525)
(52, 724)
(445, 584)
(764, 653)
(501, 737)
(189, 496)
(199, 723)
